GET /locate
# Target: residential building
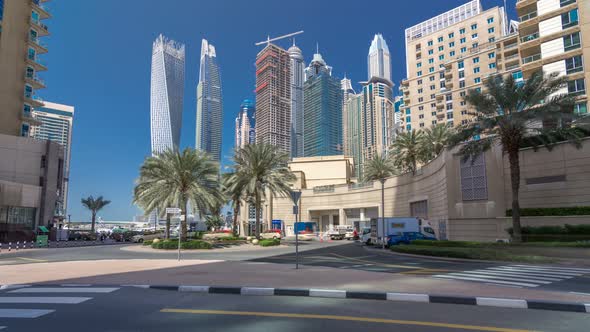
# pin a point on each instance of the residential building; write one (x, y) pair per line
(31, 176)
(352, 136)
(377, 118)
(322, 111)
(55, 124)
(297, 79)
(347, 92)
(209, 104)
(166, 94)
(245, 124)
(450, 54)
(379, 60)
(273, 97)
(21, 49)
(555, 38)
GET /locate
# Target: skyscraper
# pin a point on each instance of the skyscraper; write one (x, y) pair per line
(55, 124)
(245, 124)
(347, 92)
(352, 137)
(209, 105)
(297, 79)
(379, 61)
(166, 94)
(273, 97)
(322, 112)
(377, 118)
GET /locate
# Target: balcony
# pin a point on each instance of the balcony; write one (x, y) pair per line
(36, 63)
(41, 8)
(440, 105)
(41, 28)
(33, 100)
(449, 84)
(440, 97)
(528, 16)
(39, 46)
(564, 3)
(34, 81)
(509, 46)
(531, 58)
(406, 92)
(511, 58)
(529, 38)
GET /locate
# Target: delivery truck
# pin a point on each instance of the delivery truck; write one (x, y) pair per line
(400, 230)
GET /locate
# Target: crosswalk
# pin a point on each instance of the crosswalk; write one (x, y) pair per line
(26, 302)
(517, 275)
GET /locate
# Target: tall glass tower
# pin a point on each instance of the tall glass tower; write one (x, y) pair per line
(245, 124)
(322, 111)
(379, 60)
(297, 79)
(209, 105)
(166, 94)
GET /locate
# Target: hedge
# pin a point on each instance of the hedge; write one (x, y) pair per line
(554, 233)
(269, 242)
(468, 253)
(148, 242)
(447, 244)
(559, 211)
(173, 244)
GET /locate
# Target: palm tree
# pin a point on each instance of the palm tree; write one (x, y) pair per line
(510, 114)
(234, 191)
(258, 168)
(94, 205)
(434, 141)
(175, 179)
(379, 169)
(406, 150)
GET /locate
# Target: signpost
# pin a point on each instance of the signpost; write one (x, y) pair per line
(295, 196)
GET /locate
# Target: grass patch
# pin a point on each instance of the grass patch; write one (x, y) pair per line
(173, 244)
(269, 242)
(473, 244)
(469, 253)
(231, 238)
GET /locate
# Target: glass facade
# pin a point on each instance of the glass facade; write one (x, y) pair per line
(15, 216)
(209, 104)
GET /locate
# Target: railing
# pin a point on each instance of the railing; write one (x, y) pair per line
(531, 58)
(571, 47)
(323, 189)
(38, 23)
(37, 41)
(564, 3)
(356, 186)
(510, 57)
(569, 25)
(528, 16)
(506, 47)
(512, 67)
(530, 37)
(34, 78)
(574, 70)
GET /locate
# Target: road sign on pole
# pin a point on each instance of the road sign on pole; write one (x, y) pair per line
(173, 210)
(295, 195)
(295, 210)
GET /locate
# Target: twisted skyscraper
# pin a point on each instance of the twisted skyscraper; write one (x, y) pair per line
(209, 106)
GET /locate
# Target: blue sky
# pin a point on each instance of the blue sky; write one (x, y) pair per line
(100, 55)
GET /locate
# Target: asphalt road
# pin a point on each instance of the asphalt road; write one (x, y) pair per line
(133, 309)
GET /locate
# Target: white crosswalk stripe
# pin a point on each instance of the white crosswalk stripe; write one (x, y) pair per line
(516, 275)
(44, 300)
(24, 313)
(65, 290)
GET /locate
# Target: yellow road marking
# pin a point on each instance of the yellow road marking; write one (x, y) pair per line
(376, 263)
(341, 318)
(32, 259)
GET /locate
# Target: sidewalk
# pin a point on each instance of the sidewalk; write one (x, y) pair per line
(221, 273)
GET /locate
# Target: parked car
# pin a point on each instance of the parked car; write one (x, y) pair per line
(365, 236)
(271, 234)
(141, 237)
(406, 238)
(306, 236)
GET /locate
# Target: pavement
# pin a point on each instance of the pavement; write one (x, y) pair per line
(93, 308)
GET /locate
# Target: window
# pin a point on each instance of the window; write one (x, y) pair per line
(419, 81)
(442, 84)
(432, 96)
(24, 131)
(477, 80)
(452, 44)
(433, 121)
(474, 45)
(463, 49)
(574, 64)
(433, 105)
(440, 39)
(28, 91)
(441, 48)
(431, 60)
(421, 116)
(433, 113)
(462, 93)
(462, 74)
(463, 112)
(420, 99)
(419, 64)
(449, 115)
(409, 127)
(419, 73)
(492, 65)
(491, 30)
(478, 89)
(473, 179)
(441, 57)
(576, 87)
(581, 108)
(460, 64)
(476, 60)
(43, 161)
(474, 26)
(430, 52)
(452, 53)
(27, 110)
(408, 111)
(449, 106)
(490, 20)
(464, 122)
(451, 35)
(476, 70)
(431, 78)
(462, 30)
(441, 75)
(420, 108)
(449, 97)
(430, 43)
(463, 103)
(462, 40)
(474, 36)
(491, 39)
(431, 70)
(31, 54)
(462, 84)
(421, 124)
(571, 42)
(420, 90)
(491, 55)
(432, 87)
(569, 19)
(30, 73)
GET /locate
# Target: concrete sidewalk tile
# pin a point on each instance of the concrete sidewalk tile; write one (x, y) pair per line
(194, 289)
(366, 295)
(257, 291)
(452, 299)
(225, 290)
(557, 306)
(505, 303)
(291, 292)
(327, 293)
(407, 297)
(7, 287)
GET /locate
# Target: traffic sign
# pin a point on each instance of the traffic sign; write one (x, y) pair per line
(173, 210)
(295, 195)
(295, 209)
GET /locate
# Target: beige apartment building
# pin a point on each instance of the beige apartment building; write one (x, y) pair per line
(445, 57)
(21, 32)
(555, 38)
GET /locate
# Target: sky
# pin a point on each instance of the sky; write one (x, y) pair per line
(100, 56)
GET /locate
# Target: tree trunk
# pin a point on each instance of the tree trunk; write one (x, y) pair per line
(383, 213)
(167, 226)
(514, 161)
(93, 222)
(235, 225)
(183, 222)
(257, 224)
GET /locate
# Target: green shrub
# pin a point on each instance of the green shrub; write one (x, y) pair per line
(231, 238)
(148, 242)
(464, 244)
(195, 235)
(558, 211)
(554, 233)
(269, 242)
(173, 244)
(468, 253)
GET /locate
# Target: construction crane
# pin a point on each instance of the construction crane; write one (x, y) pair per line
(268, 39)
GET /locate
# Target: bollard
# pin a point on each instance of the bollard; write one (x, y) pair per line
(0, 247)
(9, 246)
(32, 244)
(17, 243)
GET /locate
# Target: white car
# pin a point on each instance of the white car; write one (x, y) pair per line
(139, 238)
(272, 234)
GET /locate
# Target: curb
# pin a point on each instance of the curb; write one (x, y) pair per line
(345, 294)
